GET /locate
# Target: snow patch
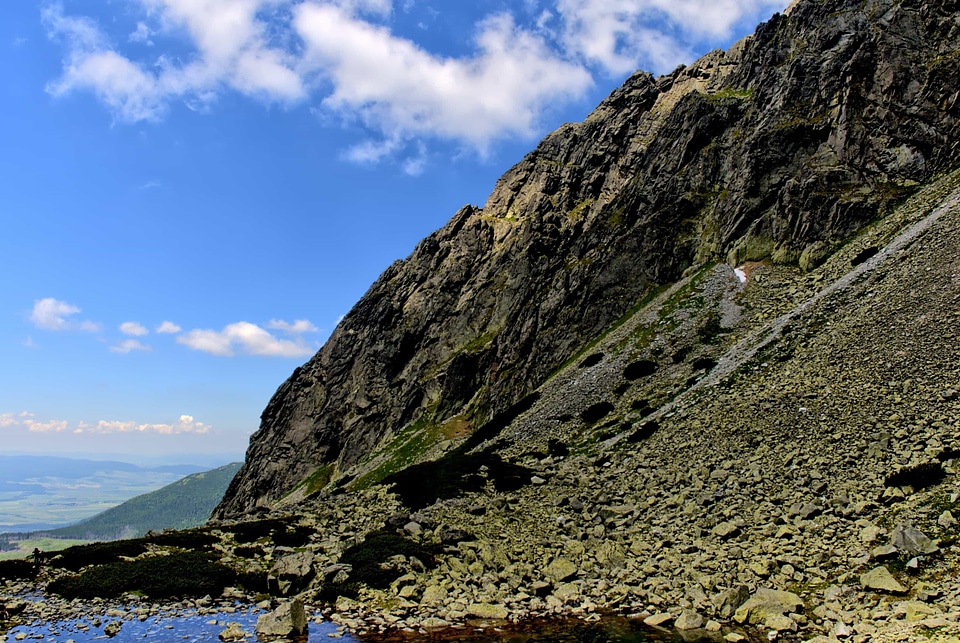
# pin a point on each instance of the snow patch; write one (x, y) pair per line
(741, 274)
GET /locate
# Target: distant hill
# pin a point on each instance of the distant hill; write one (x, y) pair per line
(25, 467)
(180, 505)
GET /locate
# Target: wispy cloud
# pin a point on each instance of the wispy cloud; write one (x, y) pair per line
(26, 421)
(151, 185)
(168, 327)
(53, 314)
(247, 339)
(29, 343)
(130, 345)
(298, 327)
(18, 42)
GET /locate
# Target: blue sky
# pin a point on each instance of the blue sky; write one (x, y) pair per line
(195, 191)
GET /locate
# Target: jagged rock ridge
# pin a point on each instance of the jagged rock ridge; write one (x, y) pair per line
(780, 148)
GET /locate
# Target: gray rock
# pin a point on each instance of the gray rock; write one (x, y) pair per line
(287, 621)
(560, 569)
(112, 628)
(726, 603)
(766, 603)
(232, 633)
(659, 620)
(689, 620)
(884, 552)
(911, 540)
(413, 528)
(946, 520)
(879, 579)
(293, 572)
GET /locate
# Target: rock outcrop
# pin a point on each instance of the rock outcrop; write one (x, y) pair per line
(778, 149)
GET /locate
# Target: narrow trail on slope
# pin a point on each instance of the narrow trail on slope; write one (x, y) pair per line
(749, 346)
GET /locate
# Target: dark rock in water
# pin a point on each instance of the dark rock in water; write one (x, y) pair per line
(780, 148)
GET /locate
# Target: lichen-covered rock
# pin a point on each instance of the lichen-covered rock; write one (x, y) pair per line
(881, 580)
(766, 603)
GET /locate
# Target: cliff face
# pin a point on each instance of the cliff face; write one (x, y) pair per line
(780, 149)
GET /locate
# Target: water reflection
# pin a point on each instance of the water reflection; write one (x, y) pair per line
(205, 628)
(180, 628)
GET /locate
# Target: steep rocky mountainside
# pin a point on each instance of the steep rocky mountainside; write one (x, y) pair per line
(776, 151)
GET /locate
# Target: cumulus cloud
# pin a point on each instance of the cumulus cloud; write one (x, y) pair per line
(343, 55)
(133, 328)
(403, 90)
(244, 338)
(168, 327)
(130, 345)
(53, 314)
(26, 421)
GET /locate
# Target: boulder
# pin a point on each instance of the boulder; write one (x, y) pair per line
(560, 569)
(689, 620)
(286, 621)
(233, 632)
(766, 603)
(879, 579)
(112, 628)
(658, 620)
(911, 540)
(293, 572)
(727, 602)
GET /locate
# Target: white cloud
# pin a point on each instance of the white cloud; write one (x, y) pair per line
(342, 54)
(232, 52)
(246, 338)
(26, 421)
(18, 42)
(133, 328)
(298, 327)
(53, 314)
(186, 424)
(130, 345)
(404, 91)
(29, 343)
(620, 35)
(168, 327)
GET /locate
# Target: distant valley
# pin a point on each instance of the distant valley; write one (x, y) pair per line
(40, 492)
(186, 502)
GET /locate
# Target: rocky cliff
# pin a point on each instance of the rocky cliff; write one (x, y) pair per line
(777, 150)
